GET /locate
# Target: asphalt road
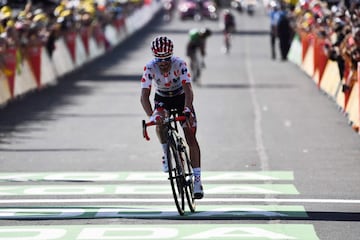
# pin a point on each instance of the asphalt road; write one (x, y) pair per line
(279, 160)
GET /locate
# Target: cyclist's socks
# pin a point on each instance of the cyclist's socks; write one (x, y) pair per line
(164, 147)
(197, 174)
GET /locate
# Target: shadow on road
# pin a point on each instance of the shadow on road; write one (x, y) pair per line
(39, 105)
(134, 213)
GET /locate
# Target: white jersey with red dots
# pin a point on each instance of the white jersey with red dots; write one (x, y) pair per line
(166, 84)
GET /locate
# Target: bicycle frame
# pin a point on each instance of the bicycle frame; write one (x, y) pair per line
(180, 170)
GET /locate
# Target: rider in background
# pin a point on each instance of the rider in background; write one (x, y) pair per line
(168, 7)
(229, 21)
(197, 42)
(228, 28)
(169, 77)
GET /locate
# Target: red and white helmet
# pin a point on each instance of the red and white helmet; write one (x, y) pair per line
(162, 47)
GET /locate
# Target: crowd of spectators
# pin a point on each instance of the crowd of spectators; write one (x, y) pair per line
(41, 23)
(338, 25)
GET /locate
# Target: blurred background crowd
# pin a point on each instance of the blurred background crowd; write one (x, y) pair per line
(337, 24)
(29, 23)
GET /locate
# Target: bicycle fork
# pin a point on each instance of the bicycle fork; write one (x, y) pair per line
(182, 150)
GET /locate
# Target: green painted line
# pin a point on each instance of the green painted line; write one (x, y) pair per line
(248, 176)
(143, 189)
(154, 212)
(165, 231)
(144, 176)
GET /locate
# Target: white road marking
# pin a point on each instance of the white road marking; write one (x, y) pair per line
(167, 200)
(260, 146)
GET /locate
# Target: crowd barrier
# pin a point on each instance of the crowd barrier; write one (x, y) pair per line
(307, 51)
(35, 70)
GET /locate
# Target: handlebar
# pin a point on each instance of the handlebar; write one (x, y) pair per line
(152, 123)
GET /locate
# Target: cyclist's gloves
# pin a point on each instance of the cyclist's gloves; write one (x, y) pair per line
(155, 118)
(152, 118)
(187, 112)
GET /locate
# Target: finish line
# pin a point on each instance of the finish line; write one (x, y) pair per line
(170, 200)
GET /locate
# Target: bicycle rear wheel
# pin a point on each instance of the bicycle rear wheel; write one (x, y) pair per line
(176, 177)
(189, 177)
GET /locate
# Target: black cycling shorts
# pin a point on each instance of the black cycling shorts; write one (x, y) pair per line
(176, 102)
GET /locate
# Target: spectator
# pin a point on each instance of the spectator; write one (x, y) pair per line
(284, 31)
(351, 54)
(41, 22)
(332, 49)
(274, 8)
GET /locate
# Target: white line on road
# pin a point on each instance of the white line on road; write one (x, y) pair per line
(260, 146)
(166, 200)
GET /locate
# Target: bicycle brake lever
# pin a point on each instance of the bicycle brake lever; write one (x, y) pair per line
(145, 134)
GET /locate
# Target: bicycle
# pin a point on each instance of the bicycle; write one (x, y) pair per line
(180, 170)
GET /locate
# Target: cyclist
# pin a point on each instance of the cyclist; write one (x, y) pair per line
(172, 85)
(197, 42)
(229, 21)
(229, 27)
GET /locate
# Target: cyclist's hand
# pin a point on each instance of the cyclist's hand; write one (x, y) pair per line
(187, 112)
(190, 117)
(155, 118)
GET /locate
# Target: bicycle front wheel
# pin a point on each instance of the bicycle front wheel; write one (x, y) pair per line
(176, 177)
(189, 176)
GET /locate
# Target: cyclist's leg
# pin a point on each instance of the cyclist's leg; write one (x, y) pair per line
(226, 40)
(193, 144)
(195, 156)
(198, 62)
(192, 61)
(161, 130)
(161, 134)
(189, 133)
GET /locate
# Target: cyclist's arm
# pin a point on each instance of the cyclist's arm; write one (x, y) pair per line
(145, 101)
(189, 96)
(188, 49)
(203, 48)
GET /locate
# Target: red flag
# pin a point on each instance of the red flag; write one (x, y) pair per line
(34, 57)
(10, 68)
(70, 39)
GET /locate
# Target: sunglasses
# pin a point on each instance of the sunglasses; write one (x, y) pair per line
(159, 60)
